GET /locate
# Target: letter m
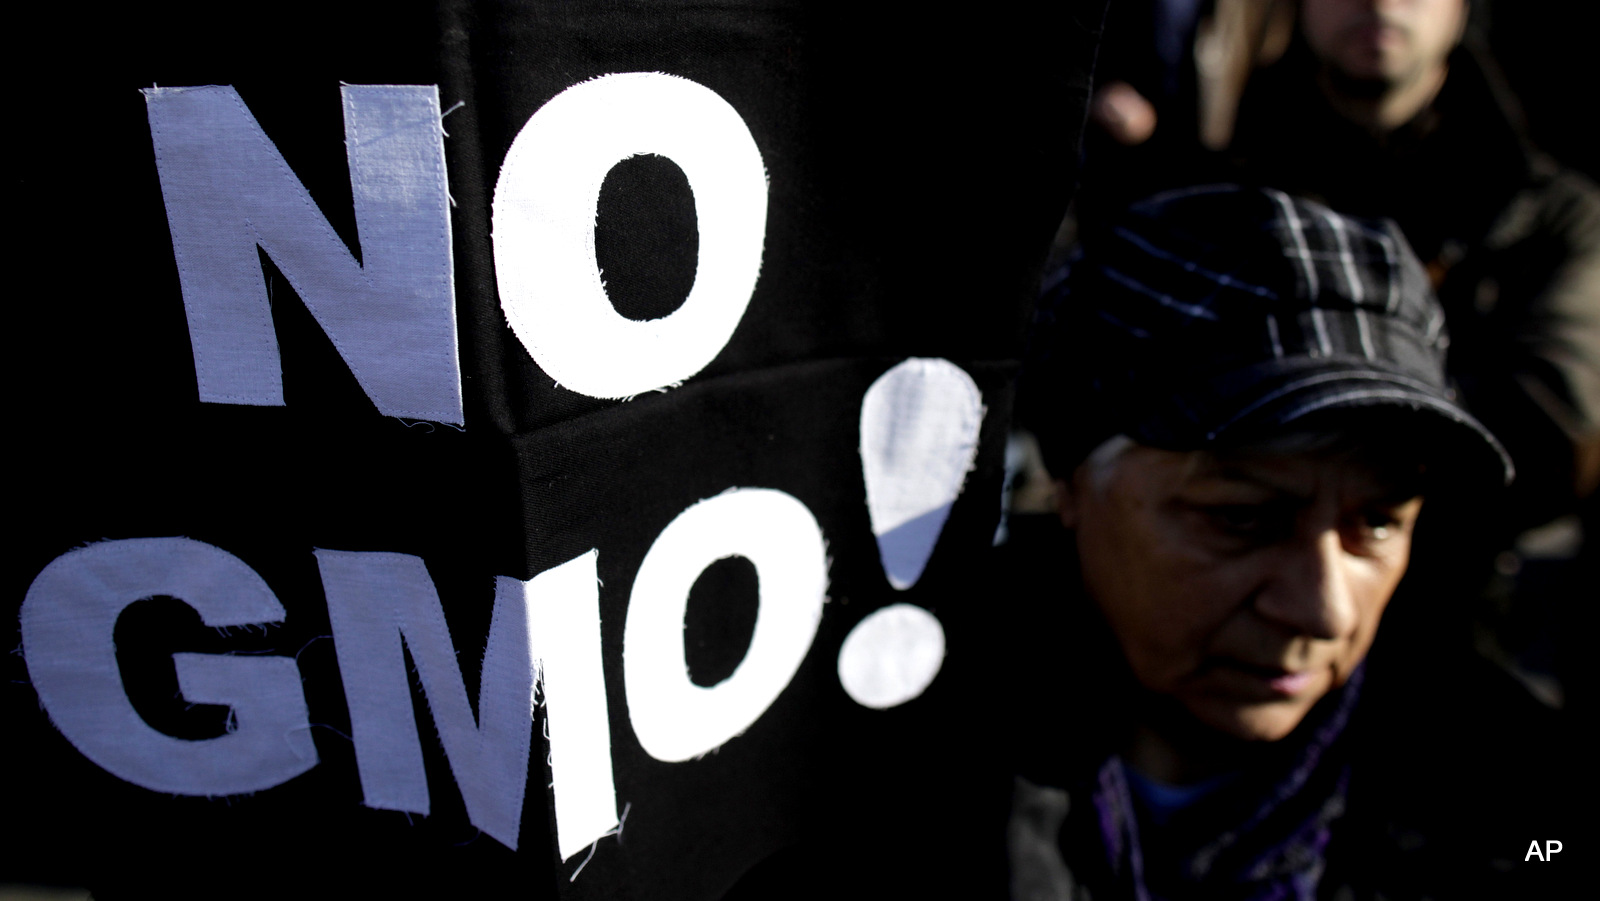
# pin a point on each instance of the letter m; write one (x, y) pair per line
(228, 191)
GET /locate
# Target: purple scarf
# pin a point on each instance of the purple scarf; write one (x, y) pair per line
(1263, 837)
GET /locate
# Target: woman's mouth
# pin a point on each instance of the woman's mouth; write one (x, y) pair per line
(1291, 684)
(1270, 680)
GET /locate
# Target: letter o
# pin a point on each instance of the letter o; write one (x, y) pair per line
(673, 718)
(545, 204)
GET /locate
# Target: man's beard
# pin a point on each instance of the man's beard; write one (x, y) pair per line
(1371, 87)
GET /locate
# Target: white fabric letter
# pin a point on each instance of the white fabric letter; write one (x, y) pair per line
(375, 599)
(228, 190)
(891, 657)
(564, 628)
(68, 617)
(919, 437)
(673, 718)
(545, 204)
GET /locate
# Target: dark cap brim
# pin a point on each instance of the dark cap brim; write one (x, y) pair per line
(1275, 395)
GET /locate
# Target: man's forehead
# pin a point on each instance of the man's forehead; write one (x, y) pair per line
(1363, 470)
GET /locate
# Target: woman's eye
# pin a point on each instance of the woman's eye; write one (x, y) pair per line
(1380, 524)
(1377, 525)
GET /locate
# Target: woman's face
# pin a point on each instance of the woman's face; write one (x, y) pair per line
(1245, 587)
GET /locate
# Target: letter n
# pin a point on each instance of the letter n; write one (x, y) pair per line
(228, 191)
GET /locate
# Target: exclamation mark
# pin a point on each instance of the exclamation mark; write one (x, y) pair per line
(919, 437)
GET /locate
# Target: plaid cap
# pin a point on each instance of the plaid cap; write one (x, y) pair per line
(1211, 314)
